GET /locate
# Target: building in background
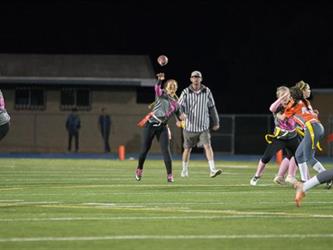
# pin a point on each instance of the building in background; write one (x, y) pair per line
(41, 90)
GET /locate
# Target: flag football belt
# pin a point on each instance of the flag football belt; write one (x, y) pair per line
(159, 121)
(300, 132)
(143, 121)
(309, 126)
(278, 133)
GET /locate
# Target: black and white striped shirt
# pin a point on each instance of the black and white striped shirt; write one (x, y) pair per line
(196, 105)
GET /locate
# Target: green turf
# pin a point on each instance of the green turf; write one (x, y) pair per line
(97, 204)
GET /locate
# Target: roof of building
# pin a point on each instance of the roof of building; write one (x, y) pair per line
(44, 69)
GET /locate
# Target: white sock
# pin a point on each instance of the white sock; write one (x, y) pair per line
(185, 165)
(318, 167)
(303, 170)
(310, 183)
(211, 164)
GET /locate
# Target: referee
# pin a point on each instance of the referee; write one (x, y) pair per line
(198, 105)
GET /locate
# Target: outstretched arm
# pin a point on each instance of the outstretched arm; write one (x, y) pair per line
(158, 86)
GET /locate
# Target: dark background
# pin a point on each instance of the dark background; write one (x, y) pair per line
(244, 49)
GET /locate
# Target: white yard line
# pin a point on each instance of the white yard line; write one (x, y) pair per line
(151, 218)
(134, 218)
(11, 201)
(10, 189)
(169, 237)
(172, 207)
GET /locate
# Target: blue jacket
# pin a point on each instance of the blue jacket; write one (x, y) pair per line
(73, 123)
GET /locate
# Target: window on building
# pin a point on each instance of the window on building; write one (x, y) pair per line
(30, 98)
(75, 98)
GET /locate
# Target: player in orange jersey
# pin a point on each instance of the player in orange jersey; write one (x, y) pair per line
(304, 115)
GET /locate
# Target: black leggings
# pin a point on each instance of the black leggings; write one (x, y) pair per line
(289, 145)
(4, 130)
(161, 133)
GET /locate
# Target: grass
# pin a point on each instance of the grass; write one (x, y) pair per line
(97, 204)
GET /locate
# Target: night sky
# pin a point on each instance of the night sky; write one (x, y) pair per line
(245, 49)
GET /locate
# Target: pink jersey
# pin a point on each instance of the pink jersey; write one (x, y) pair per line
(2, 102)
(288, 124)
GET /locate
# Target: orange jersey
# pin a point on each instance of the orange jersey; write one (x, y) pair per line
(301, 112)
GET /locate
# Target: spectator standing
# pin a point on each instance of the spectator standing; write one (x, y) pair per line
(73, 125)
(104, 125)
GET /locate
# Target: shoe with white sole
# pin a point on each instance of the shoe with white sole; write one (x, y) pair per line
(184, 173)
(138, 174)
(290, 179)
(215, 173)
(254, 180)
(170, 178)
(279, 180)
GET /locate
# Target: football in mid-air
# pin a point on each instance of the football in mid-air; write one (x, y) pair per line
(162, 60)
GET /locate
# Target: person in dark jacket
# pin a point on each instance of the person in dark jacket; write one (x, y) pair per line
(73, 125)
(104, 125)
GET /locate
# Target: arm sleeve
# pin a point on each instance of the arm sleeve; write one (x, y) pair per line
(274, 106)
(214, 115)
(2, 101)
(211, 102)
(158, 88)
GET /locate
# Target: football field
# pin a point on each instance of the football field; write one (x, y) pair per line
(98, 204)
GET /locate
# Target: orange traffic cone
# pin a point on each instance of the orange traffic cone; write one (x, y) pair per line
(121, 152)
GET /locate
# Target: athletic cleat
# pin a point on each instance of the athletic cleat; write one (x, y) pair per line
(290, 179)
(300, 194)
(215, 173)
(329, 184)
(254, 180)
(138, 174)
(279, 180)
(184, 173)
(170, 178)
